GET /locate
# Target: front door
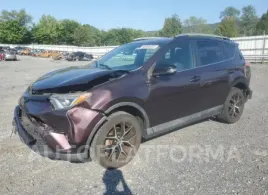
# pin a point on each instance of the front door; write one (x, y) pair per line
(176, 95)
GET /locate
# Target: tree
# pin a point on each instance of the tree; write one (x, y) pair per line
(87, 35)
(21, 17)
(120, 36)
(48, 30)
(150, 34)
(230, 12)
(172, 27)
(12, 32)
(248, 20)
(69, 27)
(262, 25)
(14, 27)
(196, 25)
(227, 28)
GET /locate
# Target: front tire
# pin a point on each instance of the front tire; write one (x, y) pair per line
(117, 140)
(233, 106)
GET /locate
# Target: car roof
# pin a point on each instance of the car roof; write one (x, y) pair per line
(154, 40)
(207, 36)
(163, 40)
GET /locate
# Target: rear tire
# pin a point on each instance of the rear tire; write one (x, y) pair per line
(233, 106)
(117, 141)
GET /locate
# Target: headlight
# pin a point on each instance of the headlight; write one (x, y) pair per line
(60, 101)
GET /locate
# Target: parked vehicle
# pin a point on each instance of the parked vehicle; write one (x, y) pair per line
(10, 55)
(79, 56)
(106, 108)
(1, 54)
(25, 51)
(17, 49)
(58, 56)
(4, 48)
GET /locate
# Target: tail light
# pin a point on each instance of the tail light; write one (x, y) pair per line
(247, 63)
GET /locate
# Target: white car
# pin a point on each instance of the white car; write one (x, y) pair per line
(10, 55)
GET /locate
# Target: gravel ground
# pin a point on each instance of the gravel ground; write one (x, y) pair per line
(205, 158)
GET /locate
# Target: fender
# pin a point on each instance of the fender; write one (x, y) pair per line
(104, 119)
(238, 80)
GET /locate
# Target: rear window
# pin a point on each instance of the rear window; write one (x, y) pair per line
(209, 52)
(10, 52)
(240, 55)
(230, 50)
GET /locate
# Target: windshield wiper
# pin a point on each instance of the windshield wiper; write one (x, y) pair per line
(105, 66)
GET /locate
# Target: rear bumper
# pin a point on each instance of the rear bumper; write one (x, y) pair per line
(47, 143)
(10, 57)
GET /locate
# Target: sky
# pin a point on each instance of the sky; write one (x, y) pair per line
(146, 15)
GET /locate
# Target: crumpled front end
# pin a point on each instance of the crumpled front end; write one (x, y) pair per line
(63, 131)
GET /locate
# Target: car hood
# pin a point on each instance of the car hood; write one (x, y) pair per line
(72, 79)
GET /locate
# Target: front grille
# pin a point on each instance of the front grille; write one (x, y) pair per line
(28, 126)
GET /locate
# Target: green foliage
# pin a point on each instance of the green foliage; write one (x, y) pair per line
(12, 32)
(172, 27)
(262, 25)
(230, 12)
(14, 27)
(120, 36)
(150, 34)
(227, 28)
(87, 35)
(20, 16)
(69, 27)
(196, 25)
(248, 20)
(48, 30)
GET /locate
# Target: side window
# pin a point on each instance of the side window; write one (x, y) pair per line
(179, 55)
(209, 52)
(230, 50)
(149, 53)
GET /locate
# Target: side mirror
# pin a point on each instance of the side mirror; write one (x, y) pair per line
(166, 70)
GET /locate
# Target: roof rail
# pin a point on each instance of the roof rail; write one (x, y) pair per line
(147, 38)
(203, 35)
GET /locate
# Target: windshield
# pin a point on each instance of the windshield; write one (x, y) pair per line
(127, 57)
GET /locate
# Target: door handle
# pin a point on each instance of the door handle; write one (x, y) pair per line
(195, 79)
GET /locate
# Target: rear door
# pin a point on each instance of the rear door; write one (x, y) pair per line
(212, 69)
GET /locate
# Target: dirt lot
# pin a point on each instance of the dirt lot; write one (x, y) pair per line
(206, 158)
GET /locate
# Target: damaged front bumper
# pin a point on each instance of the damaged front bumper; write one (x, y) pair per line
(64, 134)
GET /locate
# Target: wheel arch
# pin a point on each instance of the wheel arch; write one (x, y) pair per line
(131, 108)
(243, 84)
(240, 83)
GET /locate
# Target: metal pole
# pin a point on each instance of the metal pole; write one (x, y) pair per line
(263, 47)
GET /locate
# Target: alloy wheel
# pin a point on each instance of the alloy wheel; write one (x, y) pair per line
(119, 142)
(235, 105)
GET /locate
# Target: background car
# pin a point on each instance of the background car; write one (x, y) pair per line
(1, 55)
(10, 55)
(79, 56)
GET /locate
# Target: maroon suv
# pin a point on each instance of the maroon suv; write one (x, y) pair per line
(138, 90)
